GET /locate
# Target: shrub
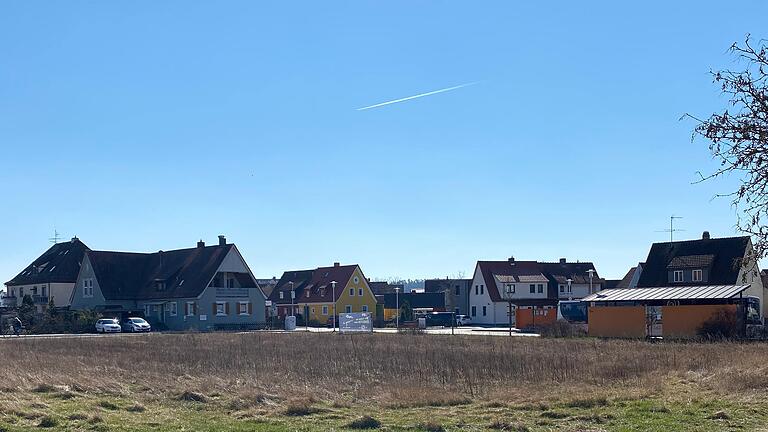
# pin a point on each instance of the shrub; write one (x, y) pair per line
(723, 324)
(364, 422)
(561, 329)
(48, 422)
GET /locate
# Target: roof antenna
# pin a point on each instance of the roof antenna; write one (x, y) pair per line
(55, 239)
(672, 230)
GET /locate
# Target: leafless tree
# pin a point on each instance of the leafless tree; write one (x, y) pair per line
(738, 138)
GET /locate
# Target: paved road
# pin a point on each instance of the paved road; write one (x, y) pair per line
(466, 331)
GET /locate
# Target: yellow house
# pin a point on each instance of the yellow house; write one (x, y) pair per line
(316, 291)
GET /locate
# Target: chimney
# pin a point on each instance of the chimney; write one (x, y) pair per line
(336, 264)
(201, 244)
(511, 260)
(222, 240)
(74, 239)
(160, 254)
(562, 261)
(705, 235)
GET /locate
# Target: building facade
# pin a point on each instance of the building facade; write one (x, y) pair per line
(456, 293)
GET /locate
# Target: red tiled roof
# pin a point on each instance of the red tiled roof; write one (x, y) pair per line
(315, 282)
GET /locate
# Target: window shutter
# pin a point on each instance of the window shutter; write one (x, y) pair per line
(195, 308)
(226, 308)
(250, 308)
(213, 309)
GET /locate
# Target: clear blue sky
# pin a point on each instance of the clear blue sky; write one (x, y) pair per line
(147, 125)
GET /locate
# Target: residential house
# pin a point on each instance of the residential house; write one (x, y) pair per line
(51, 276)
(267, 285)
(534, 289)
(680, 286)
(632, 277)
(313, 293)
(204, 288)
(456, 292)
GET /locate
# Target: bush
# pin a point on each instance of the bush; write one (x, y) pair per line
(722, 325)
(364, 422)
(562, 329)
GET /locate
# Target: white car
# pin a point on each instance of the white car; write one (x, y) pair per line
(136, 325)
(108, 325)
(463, 320)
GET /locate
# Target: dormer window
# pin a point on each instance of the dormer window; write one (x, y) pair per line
(677, 276)
(281, 295)
(698, 275)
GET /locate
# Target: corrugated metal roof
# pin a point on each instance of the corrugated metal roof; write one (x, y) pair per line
(667, 293)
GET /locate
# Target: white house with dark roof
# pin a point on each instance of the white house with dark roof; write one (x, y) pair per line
(51, 276)
(205, 287)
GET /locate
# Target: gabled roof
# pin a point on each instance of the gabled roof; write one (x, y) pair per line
(185, 273)
(626, 281)
(317, 283)
(381, 288)
(722, 256)
(534, 271)
(59, 264)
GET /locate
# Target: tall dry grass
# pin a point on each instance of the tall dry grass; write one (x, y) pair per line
(420, 370)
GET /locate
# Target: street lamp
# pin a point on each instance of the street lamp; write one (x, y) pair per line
(333, 290)
(293, 295)
(591, 274)
(570, 289)
(509, 290)
(397, 306)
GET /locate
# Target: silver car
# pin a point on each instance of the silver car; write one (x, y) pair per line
(108, 325)
(136, 325)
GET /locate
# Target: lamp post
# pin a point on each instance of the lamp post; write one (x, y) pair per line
(293, 295)
(570, 289)
(333, 291)
(591, 274)
(509, 290)
(397, 306)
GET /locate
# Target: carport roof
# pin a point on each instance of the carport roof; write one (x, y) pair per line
(667, 293)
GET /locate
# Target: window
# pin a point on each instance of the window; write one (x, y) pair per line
(230, 283)
(243, 308)
(356, 280)
(482, 290)
(365, 308)
(173, 309)
(87, 288)
(533, 288)
(160, 285)
(484, 311)
(458, 290)
(562, 288)
(348, 309)
(189, 309)
(678, 275)
(510, 289)
(540, 288)
(147, 310)
(477, 290)
(351, 292)
(306, 293)
(220, 308)
(698, 275)
(325, 310)
(281, 295)
(360, 292)
(45, 291)
(474, 311)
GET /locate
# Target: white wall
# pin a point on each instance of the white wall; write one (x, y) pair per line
(480, 300)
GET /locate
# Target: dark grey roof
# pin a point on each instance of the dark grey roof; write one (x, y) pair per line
(555, 273)
(699, 292)
(627, 279)
(691, 261)
(727, 255)
(60, 264)
(380, 288)
(184, 272)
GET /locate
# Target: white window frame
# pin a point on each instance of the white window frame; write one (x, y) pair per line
(700, 274)
(88, 288)
(351, 292)
(675, 273)
(223, 306)
(360, 292)
(365, 308)
(347, 309)
(190, 309)
(325, 310)
(240, 310)
(173, 309)
(281, 295)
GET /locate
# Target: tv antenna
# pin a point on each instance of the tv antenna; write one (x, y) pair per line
(55, 239)
(672, 230)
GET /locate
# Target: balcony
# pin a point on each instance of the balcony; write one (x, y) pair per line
(222, 292)
(40, 299)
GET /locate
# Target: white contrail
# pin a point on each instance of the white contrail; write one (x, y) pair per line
(417, 96)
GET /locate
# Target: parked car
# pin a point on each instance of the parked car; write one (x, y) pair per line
(463, 320)
(107, 325)
(136, 325)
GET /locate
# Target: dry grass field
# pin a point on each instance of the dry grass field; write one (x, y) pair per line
(276, 382)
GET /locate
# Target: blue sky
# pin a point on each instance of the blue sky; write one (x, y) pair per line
(147, 125)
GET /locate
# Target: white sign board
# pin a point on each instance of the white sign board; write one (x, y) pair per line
(361, 322)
